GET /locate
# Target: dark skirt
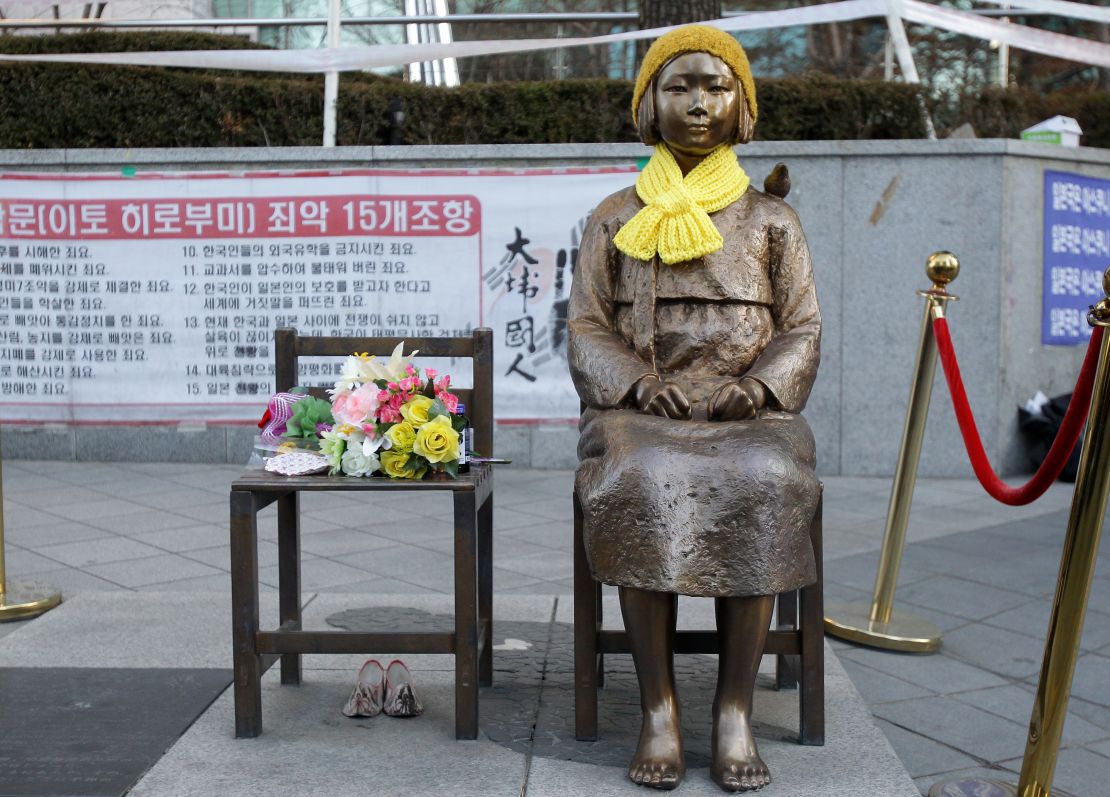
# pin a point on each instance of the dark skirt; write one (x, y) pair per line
(698, 508)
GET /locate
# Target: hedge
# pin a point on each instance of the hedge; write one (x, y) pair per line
(81, 105)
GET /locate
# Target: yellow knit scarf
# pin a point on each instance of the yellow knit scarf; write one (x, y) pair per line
(675, 220)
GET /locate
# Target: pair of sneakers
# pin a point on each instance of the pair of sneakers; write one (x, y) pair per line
(387, 690)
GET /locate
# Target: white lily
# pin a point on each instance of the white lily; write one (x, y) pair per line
(350, 377)
(371, 444)
(393, 371)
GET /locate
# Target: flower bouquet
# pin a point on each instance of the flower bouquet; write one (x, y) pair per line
(384, 417)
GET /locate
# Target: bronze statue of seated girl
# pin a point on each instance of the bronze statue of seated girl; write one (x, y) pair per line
(694, 337)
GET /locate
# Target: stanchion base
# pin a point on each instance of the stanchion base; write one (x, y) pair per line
(24, 601)
(906, 633)
(979, 787)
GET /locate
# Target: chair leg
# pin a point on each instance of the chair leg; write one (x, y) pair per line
(812, 692)
(599, 599)
(466, 616)
(485, 590)
(586, 620)
(289, 578)
(244, 615)
(786, 666)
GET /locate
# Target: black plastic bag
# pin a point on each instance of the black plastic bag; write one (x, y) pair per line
(1041, 429)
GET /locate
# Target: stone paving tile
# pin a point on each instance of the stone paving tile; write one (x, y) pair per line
(22, 564)
(1015, 703)
(957, 725)
(1032, 620)
(997, 650)
(316, 574)
(207, 513)
(171, 499)
(506, 519)
(219, 556)
(70, 580)
(1081, 772)
(341, 541)
(1102, 748)
(400, 561)
(142, 523)
(377, 586)
(539, 566)
(935, 673)
(186, 538)
(108, 508)
(51, 496)
(214, 582)
(961, 598)
(442, 580)
(164, 569)
(94, 552)
(560, 509)
(564, 587)
(1092, 679)
(921, 755)
(1091, 712)
(859, 572)
(554, 535)
(62, 531)
(878, 686)
(22, 517)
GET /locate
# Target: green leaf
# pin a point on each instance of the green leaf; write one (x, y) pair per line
(299, 390)
(438, 408)
(382, 384)
(452, 468)
(430, 389)
(458, 423)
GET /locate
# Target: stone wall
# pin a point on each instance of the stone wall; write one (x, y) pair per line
(873, 211)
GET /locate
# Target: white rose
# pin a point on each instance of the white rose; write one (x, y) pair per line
(357, 463)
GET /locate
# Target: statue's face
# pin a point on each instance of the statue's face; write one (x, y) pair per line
(697, 103)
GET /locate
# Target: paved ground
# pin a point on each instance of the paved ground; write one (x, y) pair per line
(983, 572)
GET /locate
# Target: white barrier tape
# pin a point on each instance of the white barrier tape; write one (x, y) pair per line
(1070, 48)
(1061, 8)
(344, 59)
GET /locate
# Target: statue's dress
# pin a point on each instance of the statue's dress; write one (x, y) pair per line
(693, 507)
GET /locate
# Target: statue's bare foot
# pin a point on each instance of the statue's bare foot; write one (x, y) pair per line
(736, 763)
(658, 760)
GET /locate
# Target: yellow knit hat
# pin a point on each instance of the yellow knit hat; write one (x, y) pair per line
(694, 39)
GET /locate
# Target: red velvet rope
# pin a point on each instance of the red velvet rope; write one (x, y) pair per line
(1062, 446)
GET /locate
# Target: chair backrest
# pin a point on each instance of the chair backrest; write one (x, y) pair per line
(289, 347)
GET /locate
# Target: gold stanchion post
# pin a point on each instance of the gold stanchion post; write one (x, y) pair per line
(877, 624)
(20, 601)
(1069, 607)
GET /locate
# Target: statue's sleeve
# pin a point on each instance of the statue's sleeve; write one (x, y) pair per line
(788, 366)
(603, 366)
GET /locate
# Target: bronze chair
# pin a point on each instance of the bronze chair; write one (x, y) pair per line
(797, 641)
(256, 650)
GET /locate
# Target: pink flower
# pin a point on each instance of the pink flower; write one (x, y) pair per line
(410, 369)
(389, 415)
(450, 401)
(430, 373)
(357, 406)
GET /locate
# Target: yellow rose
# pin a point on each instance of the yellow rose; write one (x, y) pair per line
(393, 465)
(416, 409)
(437, 441)
(402, 436)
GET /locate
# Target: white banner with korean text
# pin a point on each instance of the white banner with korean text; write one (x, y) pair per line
(153, 298)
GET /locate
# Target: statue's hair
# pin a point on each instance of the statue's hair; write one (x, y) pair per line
(648, 128)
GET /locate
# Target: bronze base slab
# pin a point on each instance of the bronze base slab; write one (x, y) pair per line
(24, 601)
(906, 633)
(980, 787)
